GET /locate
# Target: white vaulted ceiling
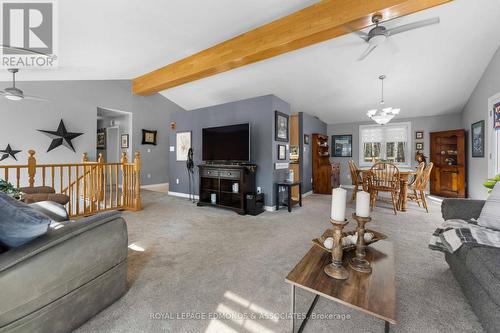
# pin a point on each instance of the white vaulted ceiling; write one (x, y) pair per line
(433, 73)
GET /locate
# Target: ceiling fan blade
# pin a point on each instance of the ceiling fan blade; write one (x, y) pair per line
(411, 26)
(361, 34)
(367, 52)
(34, 98)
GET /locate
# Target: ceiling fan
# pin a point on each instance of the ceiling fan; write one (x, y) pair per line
(15, 94)
(380, 35)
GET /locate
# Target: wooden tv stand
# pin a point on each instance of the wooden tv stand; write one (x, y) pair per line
(218, 179)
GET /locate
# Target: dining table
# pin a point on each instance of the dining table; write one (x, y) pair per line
(404, 177)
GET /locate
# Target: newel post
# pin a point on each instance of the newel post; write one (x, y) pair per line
(137, 170)
(100, 175)
(124, 162)
(31, 167)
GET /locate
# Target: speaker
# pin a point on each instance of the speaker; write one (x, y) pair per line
(255, 204)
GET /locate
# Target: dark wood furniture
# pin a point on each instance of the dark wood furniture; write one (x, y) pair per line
(448, 156)
(374, 294)
(321, 167)
(404, 179)
(335, 174)
(289, 186)
(219, 180)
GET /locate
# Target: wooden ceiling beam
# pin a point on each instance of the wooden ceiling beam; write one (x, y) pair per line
(322, 21)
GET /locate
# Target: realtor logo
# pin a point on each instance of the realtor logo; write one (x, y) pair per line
(28, 34)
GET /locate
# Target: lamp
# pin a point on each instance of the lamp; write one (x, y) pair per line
(384, 115)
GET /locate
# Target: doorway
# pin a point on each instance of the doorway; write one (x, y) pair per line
(114, 134)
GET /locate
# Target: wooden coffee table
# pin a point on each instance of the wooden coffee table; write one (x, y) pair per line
(374, 294)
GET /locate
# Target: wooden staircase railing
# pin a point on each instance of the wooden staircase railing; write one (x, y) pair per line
(92, 187)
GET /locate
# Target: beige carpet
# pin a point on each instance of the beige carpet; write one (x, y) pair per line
(208, 262)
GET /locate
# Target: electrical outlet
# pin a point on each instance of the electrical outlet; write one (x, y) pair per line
(149, 175)
(149, 150)
(177, 181)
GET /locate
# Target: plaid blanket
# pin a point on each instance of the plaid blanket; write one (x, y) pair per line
(454, 233)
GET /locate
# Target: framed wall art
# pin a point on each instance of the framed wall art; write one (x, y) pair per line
(342, 145)
(149, 137)
(183, 143)
(124, 141)
(477, 137)
(281, 126)
(281, 152)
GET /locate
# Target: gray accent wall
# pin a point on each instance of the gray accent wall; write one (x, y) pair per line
(475, 110)
(426, 124)
(258, 112)
(308, 125)
(76, 102)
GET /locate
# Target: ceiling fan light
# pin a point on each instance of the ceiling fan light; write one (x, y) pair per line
(377, 40)
(13, 97)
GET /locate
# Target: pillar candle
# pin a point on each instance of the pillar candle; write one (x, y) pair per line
(339, 199)
(363, 204)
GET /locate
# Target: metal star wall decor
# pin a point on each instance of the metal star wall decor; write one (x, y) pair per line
(61, 137)
(9, 152)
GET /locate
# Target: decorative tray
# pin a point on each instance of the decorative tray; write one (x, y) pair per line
(376, 237)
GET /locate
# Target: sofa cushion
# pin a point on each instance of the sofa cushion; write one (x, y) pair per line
(483, 262)
(19, 223)
(490, 215)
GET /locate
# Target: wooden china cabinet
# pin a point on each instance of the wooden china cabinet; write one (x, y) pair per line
(448, 156)
(322, 169)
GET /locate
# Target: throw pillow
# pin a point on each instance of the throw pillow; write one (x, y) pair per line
(490, 215)
(19, 223)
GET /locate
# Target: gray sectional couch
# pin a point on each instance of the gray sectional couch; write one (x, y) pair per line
(58, 281)
(476, 267)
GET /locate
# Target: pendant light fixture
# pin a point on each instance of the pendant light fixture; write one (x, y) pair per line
(385, 114)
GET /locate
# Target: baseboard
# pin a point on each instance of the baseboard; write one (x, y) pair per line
(270, 208)
(154, 186)
(307, 194)
(182, 195)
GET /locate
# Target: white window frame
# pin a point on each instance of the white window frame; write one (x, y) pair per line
(492, 139)
(409, 146)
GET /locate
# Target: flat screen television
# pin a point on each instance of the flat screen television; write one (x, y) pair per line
(226, 143)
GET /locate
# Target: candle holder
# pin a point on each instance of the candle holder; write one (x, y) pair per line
(335, 269)
(359, 262)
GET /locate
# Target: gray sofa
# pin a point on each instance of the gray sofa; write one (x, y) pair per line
(476, 267)
(58, 281)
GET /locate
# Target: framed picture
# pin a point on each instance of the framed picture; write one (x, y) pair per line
(342, 145)
(419, 135)
(419, 146)
(183, 143)
(306, 139)
(281, 126)
(496, 116)
(124, 141)
(101, 139)
(477, 137)
(281, 152)
(149, 137)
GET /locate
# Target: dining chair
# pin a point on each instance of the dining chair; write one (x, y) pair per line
(384, 177)
(417, 189)
(355, 178)
(418, 173)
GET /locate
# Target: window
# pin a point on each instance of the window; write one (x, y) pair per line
(389, 143)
